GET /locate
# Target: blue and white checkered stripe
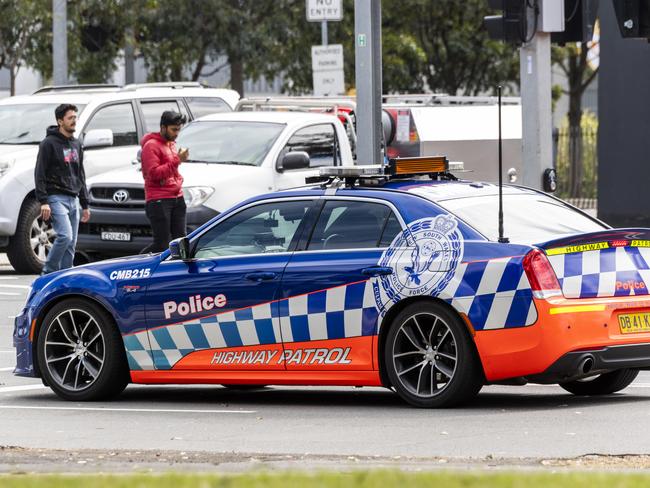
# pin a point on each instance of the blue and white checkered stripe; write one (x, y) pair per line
(595, 273)
(494, 294)
(335, 313)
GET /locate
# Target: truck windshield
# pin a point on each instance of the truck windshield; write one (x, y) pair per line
(229, 142)
(26, 123)
(527, 218)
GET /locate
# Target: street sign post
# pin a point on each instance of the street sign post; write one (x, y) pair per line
(327, 67)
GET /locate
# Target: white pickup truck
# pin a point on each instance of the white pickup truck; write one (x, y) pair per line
(232, 156)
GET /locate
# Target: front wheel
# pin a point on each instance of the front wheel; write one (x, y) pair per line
(602, 384)
(80, 352)
(429, 357)
(29, 246)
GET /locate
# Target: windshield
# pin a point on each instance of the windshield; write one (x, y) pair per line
(229, 142)
(26, 123)
(527, 219)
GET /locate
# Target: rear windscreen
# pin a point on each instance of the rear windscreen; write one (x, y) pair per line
(527, 218)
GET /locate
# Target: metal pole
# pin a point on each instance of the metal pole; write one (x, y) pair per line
(323, 32)
(367, 30)
(59, 42)
(129, 58)
(535, 73)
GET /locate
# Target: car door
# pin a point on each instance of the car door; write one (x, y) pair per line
(217, 310)
(327, 311)
(320, 142)
(119, 118)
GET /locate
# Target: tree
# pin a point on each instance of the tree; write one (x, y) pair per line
(18, 22)
(96, 33)
(460, 58)
(572, 59)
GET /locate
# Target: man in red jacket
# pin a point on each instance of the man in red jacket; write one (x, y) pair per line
(165, 206)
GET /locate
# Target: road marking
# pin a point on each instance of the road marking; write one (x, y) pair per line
(8, 389)
(23, 287)
(137, 410)
(10, 368)
(9, 294)
(8, 277)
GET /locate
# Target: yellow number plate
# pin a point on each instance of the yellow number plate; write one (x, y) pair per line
(631, 323)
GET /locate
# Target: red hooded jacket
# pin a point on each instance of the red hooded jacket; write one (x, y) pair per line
(160, 163)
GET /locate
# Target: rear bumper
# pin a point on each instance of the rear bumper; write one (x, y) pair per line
(133, 221)
(566, 331)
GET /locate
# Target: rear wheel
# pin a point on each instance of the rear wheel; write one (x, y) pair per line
(80, 352)
(429, 357)
(602, 384)
(33, 239)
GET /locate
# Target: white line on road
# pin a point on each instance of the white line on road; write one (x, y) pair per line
(22, 287)
(10, 368)
(8, 389)
(8, 351)
(141, 410)
(8, 277)
(9, 294)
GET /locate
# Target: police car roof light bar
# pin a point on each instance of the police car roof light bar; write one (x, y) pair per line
(502, 239)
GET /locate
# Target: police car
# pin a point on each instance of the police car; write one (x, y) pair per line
(371, 276)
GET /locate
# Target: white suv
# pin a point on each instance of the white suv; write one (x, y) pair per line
(111, 122)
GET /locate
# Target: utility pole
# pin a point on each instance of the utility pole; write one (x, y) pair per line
(59, 42)
(129, 57)
(535, 73)
(367, 35)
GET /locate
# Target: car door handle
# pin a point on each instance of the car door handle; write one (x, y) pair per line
(377, 271)
(261, 276)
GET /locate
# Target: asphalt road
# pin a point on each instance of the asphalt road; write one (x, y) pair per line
(504, 422)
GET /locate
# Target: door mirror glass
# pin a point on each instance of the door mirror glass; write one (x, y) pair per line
(180, 248)
(98, 138)
(295, 160)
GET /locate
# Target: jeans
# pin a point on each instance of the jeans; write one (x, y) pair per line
(167, 218)
(65, 221)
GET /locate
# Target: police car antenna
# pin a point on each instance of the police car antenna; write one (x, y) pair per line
(501, 237)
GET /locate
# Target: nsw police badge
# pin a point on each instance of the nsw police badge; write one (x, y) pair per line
(424, 258)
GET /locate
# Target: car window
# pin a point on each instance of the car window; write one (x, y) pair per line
(527, 219)
(392, 228)
(266, 228)
(319, 141)
(120, 119)
(351, 225)
(152, 110)
(200, 106)
(26, 123)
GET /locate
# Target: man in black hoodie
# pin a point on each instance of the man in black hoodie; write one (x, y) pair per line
(61, 186)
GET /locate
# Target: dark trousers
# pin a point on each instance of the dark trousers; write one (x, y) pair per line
(167, 218)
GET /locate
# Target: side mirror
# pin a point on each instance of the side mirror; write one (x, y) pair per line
(295, 160)
(98, 138)
(180, 248)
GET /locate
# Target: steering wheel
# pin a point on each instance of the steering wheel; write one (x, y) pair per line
(328, 239)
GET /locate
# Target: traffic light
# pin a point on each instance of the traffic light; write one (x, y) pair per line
(633, 18)
(512, 25)
(579, 21)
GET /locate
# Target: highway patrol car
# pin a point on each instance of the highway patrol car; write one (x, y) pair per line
(373, 276)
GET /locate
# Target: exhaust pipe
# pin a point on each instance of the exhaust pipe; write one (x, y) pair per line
(586, 364)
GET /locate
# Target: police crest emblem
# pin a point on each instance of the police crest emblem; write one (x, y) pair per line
(424, 258)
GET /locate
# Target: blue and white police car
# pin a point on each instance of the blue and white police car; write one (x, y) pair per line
(371, 276)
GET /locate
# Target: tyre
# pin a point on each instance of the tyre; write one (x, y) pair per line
(33, 239)
(603, 384)
(430, 359)
(80, 352)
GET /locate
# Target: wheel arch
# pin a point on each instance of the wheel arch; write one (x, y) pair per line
(50, 305)
(395, 310)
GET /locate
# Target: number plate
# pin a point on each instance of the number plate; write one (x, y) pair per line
(116, 236)
(630, 323)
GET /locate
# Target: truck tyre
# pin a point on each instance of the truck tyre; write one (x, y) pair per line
(603, 384)
(33, 239)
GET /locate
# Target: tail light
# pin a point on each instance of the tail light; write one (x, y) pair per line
(541, 276)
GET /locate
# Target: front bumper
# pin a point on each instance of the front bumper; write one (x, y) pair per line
(133, 221)
(566, 331)
(23, 345)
